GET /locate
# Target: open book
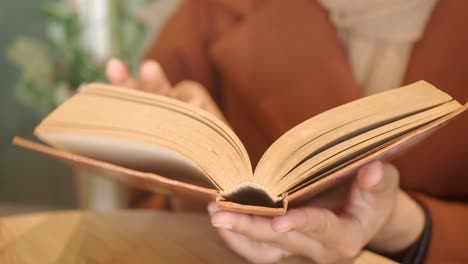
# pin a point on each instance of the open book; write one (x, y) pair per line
(160, 143)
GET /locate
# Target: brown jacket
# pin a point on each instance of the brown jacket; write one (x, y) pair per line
(272, 64)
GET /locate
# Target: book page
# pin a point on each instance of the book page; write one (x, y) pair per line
(334, 156)
(341, 123)
(148, 121)
(130, 154)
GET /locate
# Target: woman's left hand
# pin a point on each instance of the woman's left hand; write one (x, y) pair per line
(333, 227)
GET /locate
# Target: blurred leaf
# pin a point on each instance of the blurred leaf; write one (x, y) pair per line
(63, 30)
(32, 59)
(61, 92)
(51, 72)
(58, 11)
(34, 96)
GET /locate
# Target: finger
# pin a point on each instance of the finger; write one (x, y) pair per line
(318, 223)
(82, 87)
(253, 251)
(195, 94)
(371, 199)
(153, 79)
(189, 92)
(376, 183)
(212, 208)
(118, 74)
(260, 229)
(371, 192)
(255, 227)
(333, 199)
(333, 241)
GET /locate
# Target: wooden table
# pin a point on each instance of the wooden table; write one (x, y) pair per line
(119, 237)
(10, 208)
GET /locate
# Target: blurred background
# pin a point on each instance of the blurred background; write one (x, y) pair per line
(48, 48)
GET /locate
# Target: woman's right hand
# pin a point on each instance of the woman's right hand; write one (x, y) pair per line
(152, 79)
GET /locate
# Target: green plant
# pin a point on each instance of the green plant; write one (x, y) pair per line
(51, 71)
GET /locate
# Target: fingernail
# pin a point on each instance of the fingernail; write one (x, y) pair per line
(149, 68)
(371, 174)
(283, 228)
(82, 87)
(374, 179)
(195, 101)
(115, 62)
(212, 208)
(375, 171)
(223, 226)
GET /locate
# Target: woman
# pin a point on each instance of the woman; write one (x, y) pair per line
(269, 65)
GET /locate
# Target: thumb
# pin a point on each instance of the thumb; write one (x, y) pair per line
(377, 177)
(372, 195)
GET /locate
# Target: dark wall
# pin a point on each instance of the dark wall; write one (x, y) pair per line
(25, 177)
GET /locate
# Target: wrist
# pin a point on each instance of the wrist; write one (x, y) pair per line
(403, 227)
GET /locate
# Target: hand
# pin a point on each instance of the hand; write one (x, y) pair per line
(374, 212)
(152, 79)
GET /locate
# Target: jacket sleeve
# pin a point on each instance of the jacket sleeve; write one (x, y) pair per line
(448, 235)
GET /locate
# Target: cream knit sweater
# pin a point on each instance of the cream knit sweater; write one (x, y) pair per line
(378, 36)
